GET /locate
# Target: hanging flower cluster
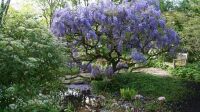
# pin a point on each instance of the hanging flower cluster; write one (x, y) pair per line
(122, 34)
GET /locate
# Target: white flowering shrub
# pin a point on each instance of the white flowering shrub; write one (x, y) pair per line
(31, 62)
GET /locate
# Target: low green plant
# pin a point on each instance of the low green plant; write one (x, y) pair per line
(127, 93)
(189, 72)
(70, 108)
(154, 106)
(158, 63)
(99, 86)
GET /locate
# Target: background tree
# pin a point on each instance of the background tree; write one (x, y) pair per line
(166, 5)
(122, 35)
(48, 8)
(185, 20)
(3, 10)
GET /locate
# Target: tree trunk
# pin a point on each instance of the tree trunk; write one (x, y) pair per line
(3, 11)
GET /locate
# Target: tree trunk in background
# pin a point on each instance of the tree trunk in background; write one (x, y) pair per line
(3, 11)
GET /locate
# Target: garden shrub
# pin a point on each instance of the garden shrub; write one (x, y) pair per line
(158, 63)
(31, 62)
(190, 72)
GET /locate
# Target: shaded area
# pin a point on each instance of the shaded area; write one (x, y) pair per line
(192, 103)
(181, 95)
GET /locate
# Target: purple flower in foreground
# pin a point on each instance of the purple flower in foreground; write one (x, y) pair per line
(138, 57)
(61, 29)
(81, 87)
(121, 65)
(89, 68)
(120, 46)
(109, 71)
(95, 71)
(162, 23)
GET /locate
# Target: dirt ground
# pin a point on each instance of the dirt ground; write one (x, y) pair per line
(154, 71)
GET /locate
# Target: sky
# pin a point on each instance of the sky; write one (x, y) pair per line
(17, 4)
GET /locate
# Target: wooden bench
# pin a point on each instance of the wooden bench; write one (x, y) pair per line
(181, 60)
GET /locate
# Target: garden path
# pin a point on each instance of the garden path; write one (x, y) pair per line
(86, 77)
(154, 71)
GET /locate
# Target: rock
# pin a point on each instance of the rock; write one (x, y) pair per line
(138, 97)
(85, 75)
(162, 98)
(104, 110)
(84, 109)
(127, 105)
(102, 97)
(114, 105)
(66, 81)
(67, 77)
(77, 80)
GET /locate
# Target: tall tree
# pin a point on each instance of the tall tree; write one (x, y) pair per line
(120, 34)
(49, 6)
(3, 10)
(166, 5)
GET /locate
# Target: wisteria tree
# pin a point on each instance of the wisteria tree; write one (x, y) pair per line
(120, 34)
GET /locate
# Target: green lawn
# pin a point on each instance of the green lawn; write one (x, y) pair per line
(146, 85)
(181, 95)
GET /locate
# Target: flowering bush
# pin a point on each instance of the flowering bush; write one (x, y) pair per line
(31, 62)
(122, 34)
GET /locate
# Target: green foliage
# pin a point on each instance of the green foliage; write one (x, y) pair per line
(145, 84)
(155, 106)
(22, 59)
(185, 19)
(72, 71)
(31, 63)
(20, 98)
(166, 5)
(188, 27)
(99, 86)
(158, 63)
(189, 6)
(190, 72)
(49, 7)
(127, 93)
(70, 108)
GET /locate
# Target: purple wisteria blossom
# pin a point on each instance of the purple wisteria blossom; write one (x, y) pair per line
(95, 71)
(121, 65)
(81, 87)
(115, 32)
(109, 71)
(138, 57)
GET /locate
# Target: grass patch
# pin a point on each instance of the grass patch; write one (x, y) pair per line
(146, 85)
